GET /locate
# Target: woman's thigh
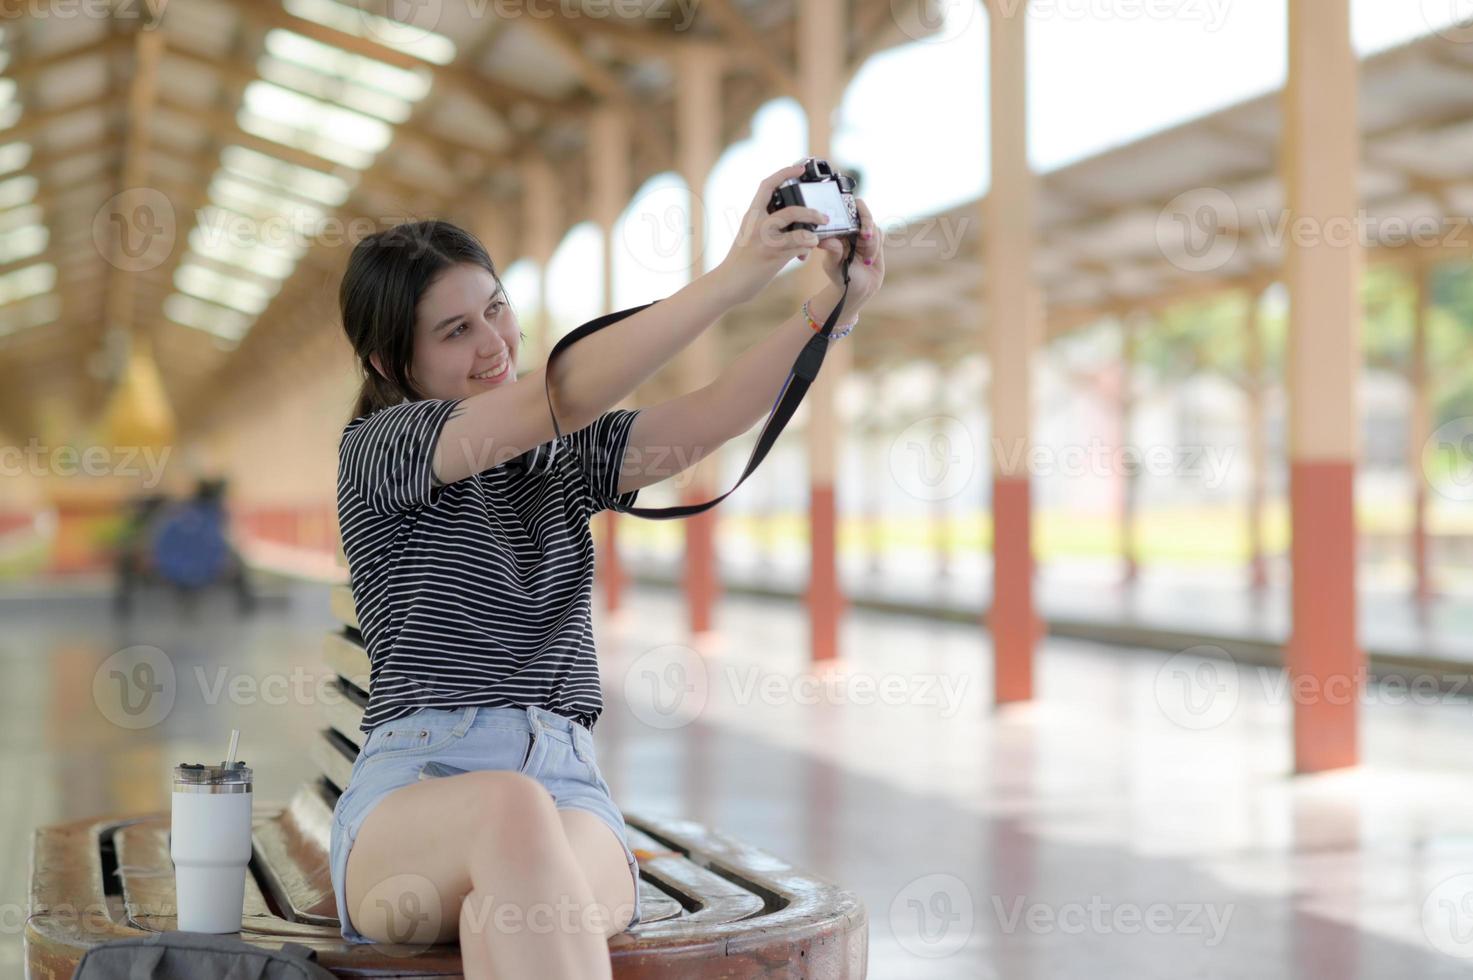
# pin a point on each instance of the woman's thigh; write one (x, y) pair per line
(601, 857)
(410, 865)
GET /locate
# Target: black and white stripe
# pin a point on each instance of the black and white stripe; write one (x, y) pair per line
(479, 591)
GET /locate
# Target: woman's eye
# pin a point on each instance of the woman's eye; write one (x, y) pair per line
(459, 328)
(494, 308)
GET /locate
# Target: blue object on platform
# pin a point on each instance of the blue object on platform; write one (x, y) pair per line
(189, 545)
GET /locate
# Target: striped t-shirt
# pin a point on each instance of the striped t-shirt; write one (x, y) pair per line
(478, 592)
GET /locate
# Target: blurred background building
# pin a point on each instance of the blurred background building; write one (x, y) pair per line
(1160, 428)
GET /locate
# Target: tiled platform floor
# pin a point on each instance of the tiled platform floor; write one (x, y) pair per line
(1138, 820)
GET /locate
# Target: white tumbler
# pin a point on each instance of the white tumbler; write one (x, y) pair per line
(210, 843)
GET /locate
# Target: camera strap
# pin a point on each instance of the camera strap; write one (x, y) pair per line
(802, 375)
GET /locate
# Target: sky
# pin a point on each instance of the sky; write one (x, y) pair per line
(914, 121)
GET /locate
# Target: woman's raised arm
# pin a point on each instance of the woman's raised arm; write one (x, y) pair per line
(602, 369)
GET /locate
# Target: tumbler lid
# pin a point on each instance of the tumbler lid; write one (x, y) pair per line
(197, 778)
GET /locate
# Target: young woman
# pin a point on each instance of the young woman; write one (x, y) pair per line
(476, 808)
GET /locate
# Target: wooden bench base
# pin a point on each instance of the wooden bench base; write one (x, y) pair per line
(713, 907)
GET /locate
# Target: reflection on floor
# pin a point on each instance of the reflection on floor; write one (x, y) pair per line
(1138, 820)
(1080, 595)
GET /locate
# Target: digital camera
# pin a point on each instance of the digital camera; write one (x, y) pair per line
(823, 188)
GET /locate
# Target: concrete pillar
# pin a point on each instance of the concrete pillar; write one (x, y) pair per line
(540, 195)
(609, 177)
(820, 70)
(1130, 327)
(1420, 427)
(940, 503)
(1014, 319)
(876, 451)
(1321, 159)
(697, 143)
(1257, 441)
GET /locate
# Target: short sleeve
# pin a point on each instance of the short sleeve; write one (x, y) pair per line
(387, 456)
(599, 450)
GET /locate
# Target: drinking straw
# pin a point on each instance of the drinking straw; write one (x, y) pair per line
(234, 740)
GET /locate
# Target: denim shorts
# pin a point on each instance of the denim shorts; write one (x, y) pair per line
(551, 748)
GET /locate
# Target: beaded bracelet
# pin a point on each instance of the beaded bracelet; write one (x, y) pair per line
(837, 334)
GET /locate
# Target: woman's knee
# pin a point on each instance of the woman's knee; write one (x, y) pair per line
(517, 827)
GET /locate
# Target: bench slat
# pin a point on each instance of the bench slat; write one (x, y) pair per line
(330, 759)
(347, 657)
(294, 859)
(340, 601)
(343, 714)
(716, 899)
(147, 873)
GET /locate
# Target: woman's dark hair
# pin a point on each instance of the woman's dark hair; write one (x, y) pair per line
(387, 274)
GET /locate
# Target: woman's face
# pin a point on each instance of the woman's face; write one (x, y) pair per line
(466, 337)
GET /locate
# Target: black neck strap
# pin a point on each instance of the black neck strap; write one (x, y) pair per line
(805, 370)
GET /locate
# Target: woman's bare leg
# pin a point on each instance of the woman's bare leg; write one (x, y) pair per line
(423, 849)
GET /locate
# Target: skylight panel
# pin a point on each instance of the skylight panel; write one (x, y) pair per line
(302, 181)
(238, 294)
(409, 38)
(190, 312)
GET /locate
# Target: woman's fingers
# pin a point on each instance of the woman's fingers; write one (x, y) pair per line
(778, 220)
(870, 236)
(770, 182)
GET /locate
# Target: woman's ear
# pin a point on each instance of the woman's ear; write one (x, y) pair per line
(377, 365)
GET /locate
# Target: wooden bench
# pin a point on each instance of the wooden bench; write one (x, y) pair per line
(712, 906)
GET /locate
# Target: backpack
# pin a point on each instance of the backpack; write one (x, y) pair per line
(191, 955)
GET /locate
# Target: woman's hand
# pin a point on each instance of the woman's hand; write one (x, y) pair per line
(867, 270)
(762, 248)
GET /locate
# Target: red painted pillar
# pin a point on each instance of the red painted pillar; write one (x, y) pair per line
(821, 67)
(1014, 318)
(1322, 143)
(699, 573)
(608, 569)
(698, 136)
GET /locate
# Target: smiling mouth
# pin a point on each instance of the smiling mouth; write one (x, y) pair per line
(496, 373)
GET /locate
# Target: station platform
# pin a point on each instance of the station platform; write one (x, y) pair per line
(1102, 830)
